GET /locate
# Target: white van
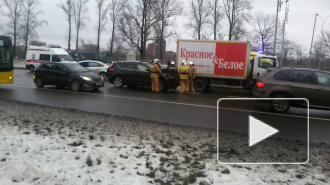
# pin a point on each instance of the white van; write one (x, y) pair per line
(37, 55)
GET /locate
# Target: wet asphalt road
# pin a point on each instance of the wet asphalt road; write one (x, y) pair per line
(198, 110)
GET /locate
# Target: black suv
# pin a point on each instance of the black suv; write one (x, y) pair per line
(134, 73)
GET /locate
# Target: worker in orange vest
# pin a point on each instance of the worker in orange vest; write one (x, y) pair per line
(184, 77)
(154, 75)
(191, 76)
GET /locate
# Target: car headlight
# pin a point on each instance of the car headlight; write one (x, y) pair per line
(86, 78)
(101, 77)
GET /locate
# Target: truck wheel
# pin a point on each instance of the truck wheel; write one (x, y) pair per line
(281, 106)
(31, 68)
(200, 85)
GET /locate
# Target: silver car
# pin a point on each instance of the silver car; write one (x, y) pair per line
(96, 67)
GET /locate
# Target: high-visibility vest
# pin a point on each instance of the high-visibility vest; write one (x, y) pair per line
(154, 73)
(184, 72)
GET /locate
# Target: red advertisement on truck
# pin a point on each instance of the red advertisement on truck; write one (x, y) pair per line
(215, 58)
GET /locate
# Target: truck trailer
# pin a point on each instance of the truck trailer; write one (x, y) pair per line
(223, 63)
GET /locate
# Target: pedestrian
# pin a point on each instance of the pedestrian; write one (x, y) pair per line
(191, 76)
(154, 75)
(172, 76)
(184, 77)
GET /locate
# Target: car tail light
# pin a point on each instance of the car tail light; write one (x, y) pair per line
(111, 69)
(260, 84)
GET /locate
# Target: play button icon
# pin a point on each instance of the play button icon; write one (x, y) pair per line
(258, 131)
(247, 133)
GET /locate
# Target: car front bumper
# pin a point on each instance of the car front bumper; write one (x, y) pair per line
(92, 85)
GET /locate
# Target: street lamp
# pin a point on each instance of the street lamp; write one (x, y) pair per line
(310, 51)
(279, 3)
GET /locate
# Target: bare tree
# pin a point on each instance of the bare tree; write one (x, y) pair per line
(31, 21)
(136, 24)
(14, 14)
(167, 10)
(116, 8)
(326, 40)
(264, 26)
(67, 7)
(79, 13)
(236, 12)
(198, 17)
(102, 11)
(214, 7)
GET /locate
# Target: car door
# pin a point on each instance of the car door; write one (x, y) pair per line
(93, 67)
(128, 71)
(304, 85)
(323, 89)
(61, 75)
(48, 73)
(142, 74)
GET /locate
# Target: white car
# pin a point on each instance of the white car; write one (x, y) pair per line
(96, 67)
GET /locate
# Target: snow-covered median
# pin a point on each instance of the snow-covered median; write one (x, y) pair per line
(44, 145)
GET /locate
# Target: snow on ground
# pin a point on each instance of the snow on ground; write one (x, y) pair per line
(45, 145)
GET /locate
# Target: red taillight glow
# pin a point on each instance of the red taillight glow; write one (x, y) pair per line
(111, 69)
(260, 84)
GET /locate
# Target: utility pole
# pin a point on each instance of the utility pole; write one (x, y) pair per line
(285, 21)
(279, 3)
(310, 51)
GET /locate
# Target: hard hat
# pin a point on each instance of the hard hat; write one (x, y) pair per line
(155, 60)
(190, 63)
(183, 62)
(172, 63)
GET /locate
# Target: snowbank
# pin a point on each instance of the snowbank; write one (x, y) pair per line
(45, 145)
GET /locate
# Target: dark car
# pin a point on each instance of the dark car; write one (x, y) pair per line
(134, 73)
(70, 75)
(311, 84)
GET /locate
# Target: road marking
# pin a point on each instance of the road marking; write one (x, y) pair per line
(123, 97)
(176, 103)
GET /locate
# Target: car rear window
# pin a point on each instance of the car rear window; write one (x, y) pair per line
(127, 65)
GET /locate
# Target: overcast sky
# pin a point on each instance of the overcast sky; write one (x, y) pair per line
(299, 28)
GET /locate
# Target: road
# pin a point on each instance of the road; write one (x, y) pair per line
(198, 110)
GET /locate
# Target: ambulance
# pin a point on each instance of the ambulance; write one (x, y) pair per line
(36, 55)
(223, 63)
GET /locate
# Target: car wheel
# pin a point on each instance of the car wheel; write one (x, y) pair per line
(118, 82)
(281, 106)
(200, 85)
(75, 86)
(104, 75)
(39, 82)
(162, 85)
(31, 68)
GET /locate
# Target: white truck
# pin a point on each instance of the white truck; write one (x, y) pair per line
(36, 55)
(223, 63)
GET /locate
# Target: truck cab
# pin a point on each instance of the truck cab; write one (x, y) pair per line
(259, 63)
